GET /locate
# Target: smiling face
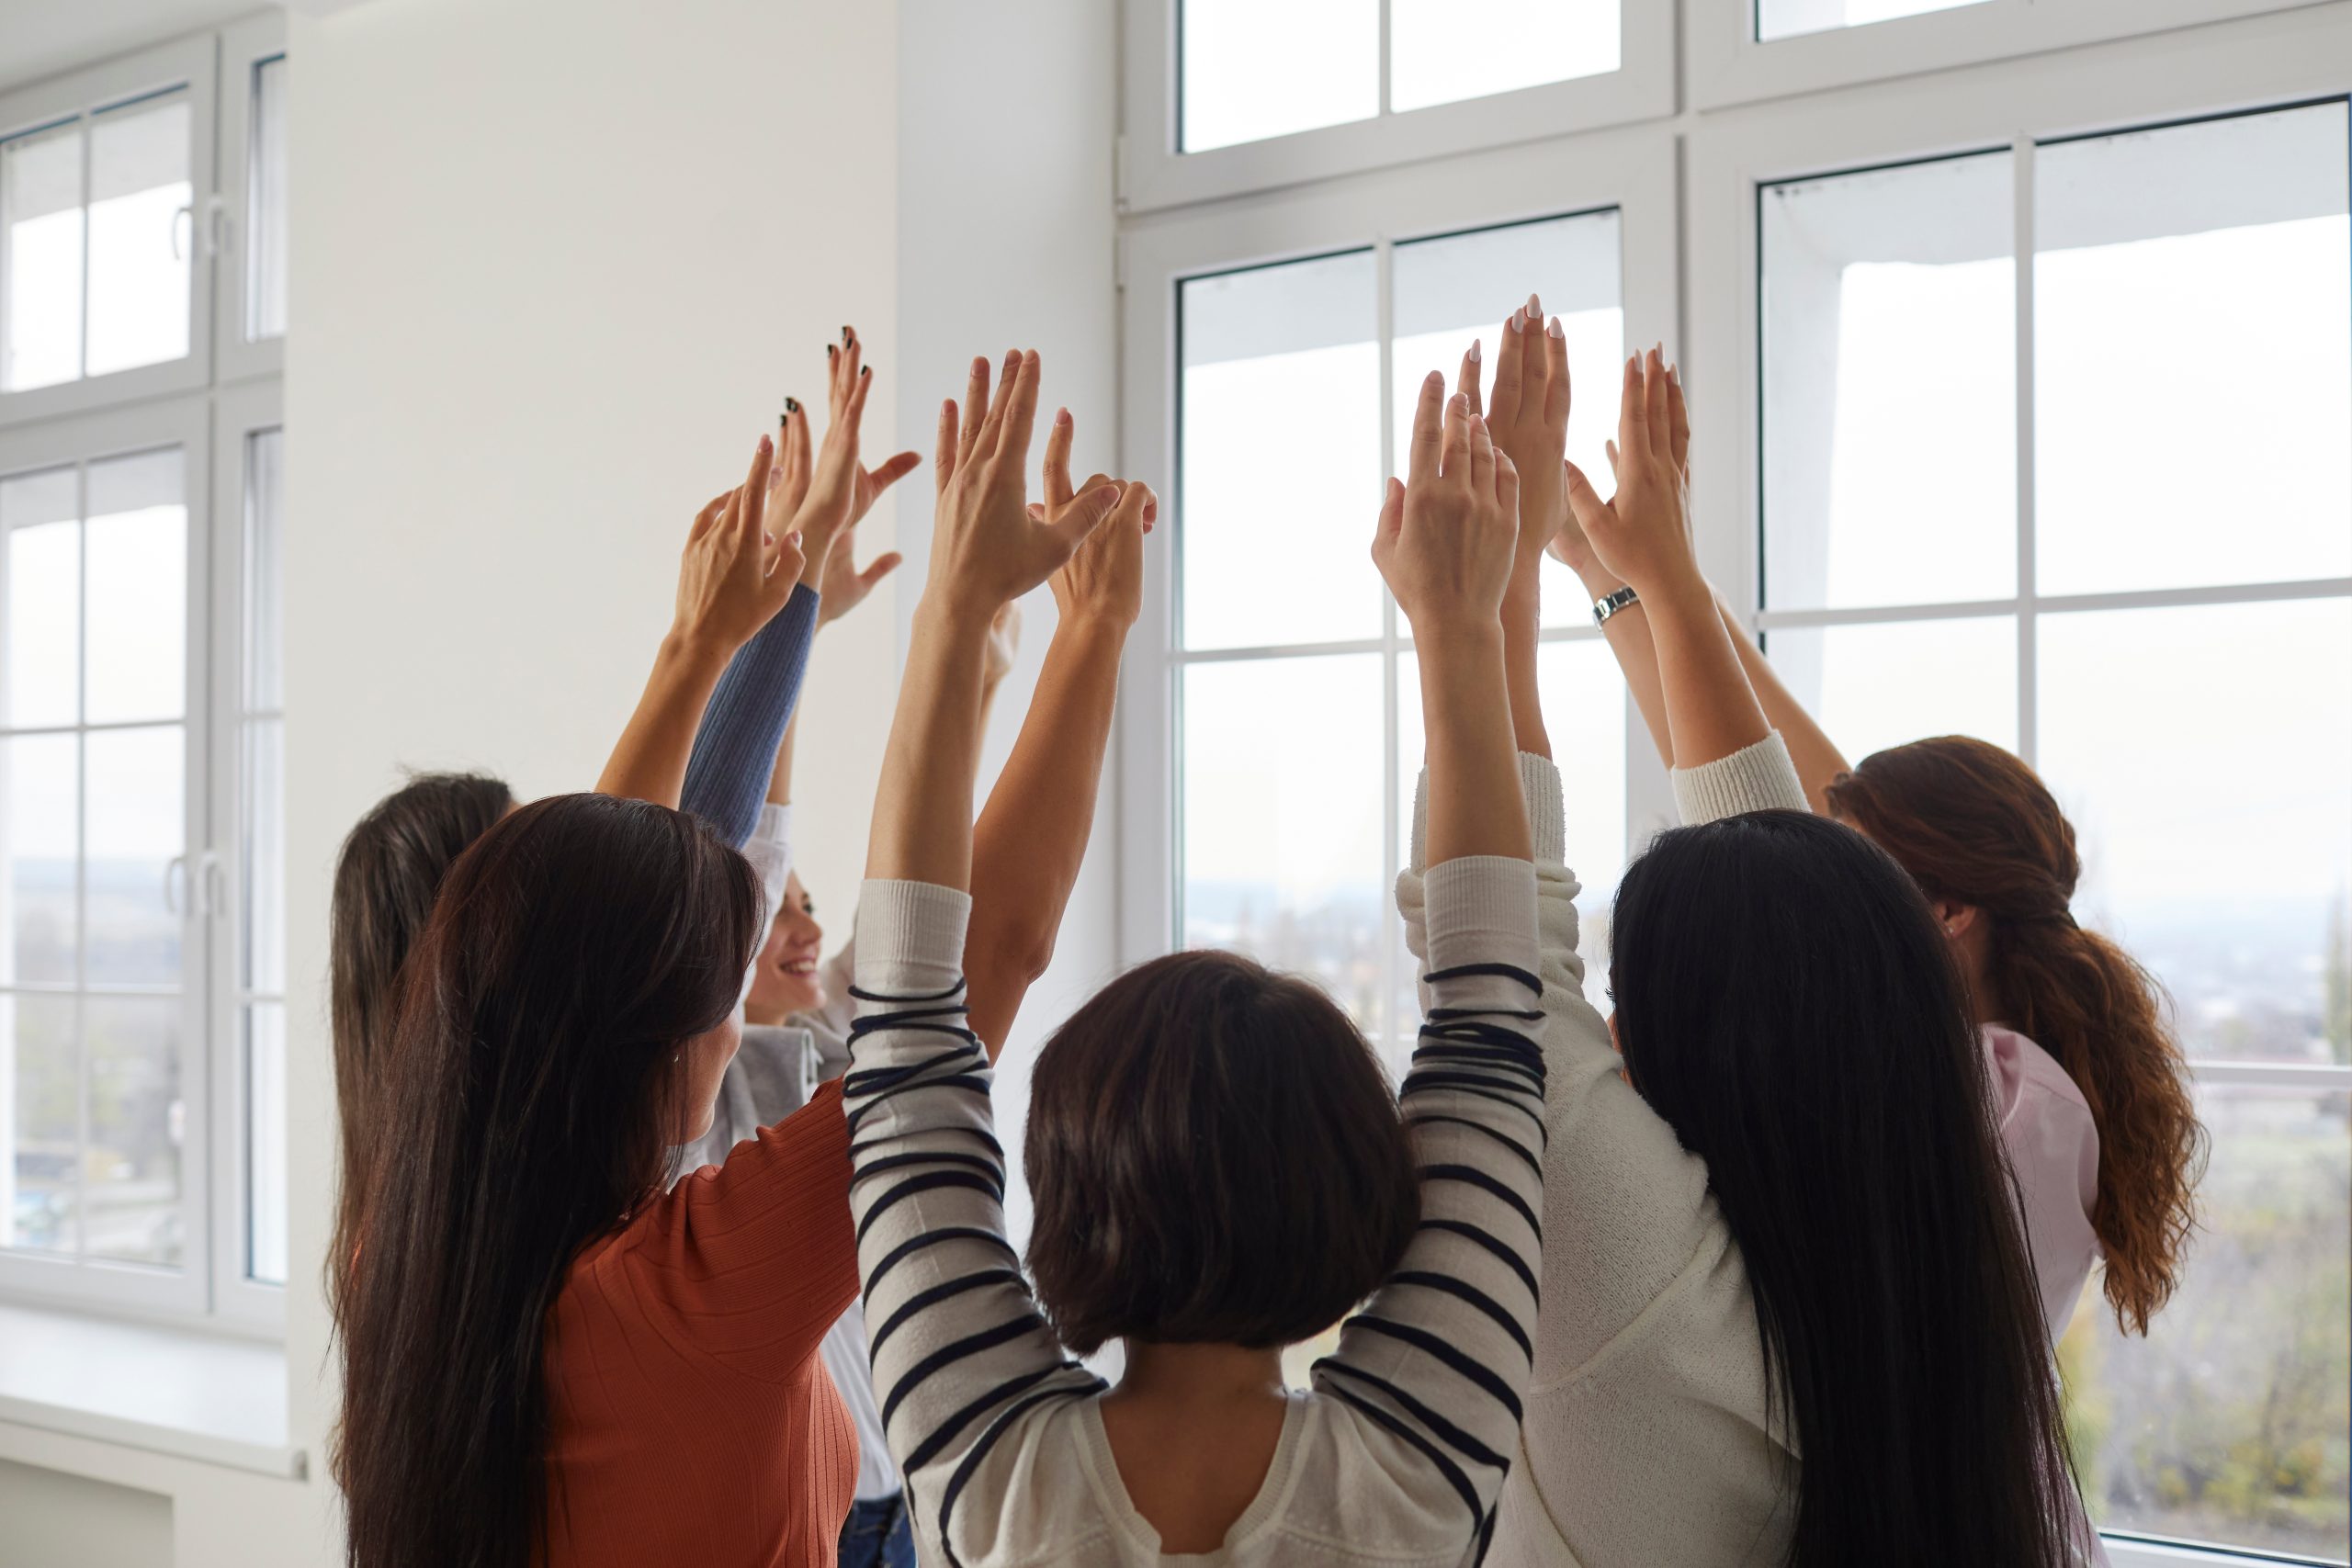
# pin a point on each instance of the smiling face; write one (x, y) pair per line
(784, 979)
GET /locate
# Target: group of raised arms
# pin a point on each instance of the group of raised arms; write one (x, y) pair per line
(665, 1238)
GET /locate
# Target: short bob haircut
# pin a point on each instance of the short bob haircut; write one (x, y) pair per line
(1214, 1158)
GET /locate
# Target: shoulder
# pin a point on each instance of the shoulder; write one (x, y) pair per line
(2027, 1079)
(1038, 1497)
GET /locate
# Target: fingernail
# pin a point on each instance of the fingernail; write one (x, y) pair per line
(1534, 308)
(844, 337)
(768, 444)
(1061, 416)
(1518, 320)
(864, 371)
(1555, 327)
(1432, 376)
(1474, 350)
(792, 405)
(831, 349)
(1011, 361)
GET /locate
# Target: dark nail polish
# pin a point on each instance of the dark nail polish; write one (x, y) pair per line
(792, 405)
(844, 337)
(864, 371)
(831, 349)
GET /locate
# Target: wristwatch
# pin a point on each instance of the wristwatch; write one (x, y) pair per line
(1612, 604)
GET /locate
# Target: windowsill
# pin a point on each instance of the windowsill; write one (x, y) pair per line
(144, 1386)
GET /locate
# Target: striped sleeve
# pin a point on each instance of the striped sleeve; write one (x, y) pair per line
(1760, 777)
(961, 1354)
(1437, 1364)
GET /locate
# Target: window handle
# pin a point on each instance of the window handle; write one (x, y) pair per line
(216, 227)
(176, 885)
(211, 888)
(188, 213)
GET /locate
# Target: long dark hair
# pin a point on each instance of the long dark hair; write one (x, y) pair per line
(1973, 824)
(529, 1101)
(1787, 1002)
(390, 871)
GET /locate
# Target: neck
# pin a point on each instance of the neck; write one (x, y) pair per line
(1200, 1374)
(768, 1016)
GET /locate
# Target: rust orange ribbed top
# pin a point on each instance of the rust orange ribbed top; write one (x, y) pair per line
(690, 1420)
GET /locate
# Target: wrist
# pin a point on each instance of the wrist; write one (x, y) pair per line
(1095, 625)
(694, 647)
(1450, 638)
(955, 615)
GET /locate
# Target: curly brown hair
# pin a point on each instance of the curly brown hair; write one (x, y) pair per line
(1974, 825)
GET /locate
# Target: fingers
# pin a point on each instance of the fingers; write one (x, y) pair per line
(1021, 411)
(1533, 391)
(753, 515)
(1057, 444)
(1654, 397)
(991, 431)
(1453, 457)
(708, 515)
(1584, 502)
(949, 448)
(1503, 407)
(976, 407)
(1134, 502)
(1678, 417)
(892, 470)
(844, 360)
(1610, 448)
(1468, 381)
(884, 565)
(1506, 488)
(1427, 444)
(1556, 377)
(1633, 415)
(1481, 453)
(852, 406)
(1083, 515)
(797, 463)
(1392, 515)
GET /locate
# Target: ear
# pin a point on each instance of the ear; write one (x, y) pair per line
(1958, 919)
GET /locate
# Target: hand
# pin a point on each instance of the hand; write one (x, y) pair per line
(1641, 535)
(985, 547)
(733, 577)
(1103, 580)
(840, 490)
(1569, 547)
(1528, 417)
(1449, 534)
(1004, 642)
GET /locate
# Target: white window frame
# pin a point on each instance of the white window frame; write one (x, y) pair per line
(1630, 171)
(182, 423)
(1730, 65)
(1152, 173)
(226, 390)
(188, 64)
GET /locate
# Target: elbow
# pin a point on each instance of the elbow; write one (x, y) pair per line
(1013, 958)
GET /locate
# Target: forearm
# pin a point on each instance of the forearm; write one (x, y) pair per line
(780, 776)
(1474, 803)
(1523, 628)
(1628, 635)
(1711, 711)
(1032, 836)
(650, 760)
(734, 751)
(922, 810)
(1818, 758)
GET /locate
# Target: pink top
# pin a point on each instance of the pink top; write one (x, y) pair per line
(2053, 1147)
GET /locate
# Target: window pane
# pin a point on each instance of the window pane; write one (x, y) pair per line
(39, 517)
(2175, 271)
(2203, 755)
(138, 594)
(266, 214)
(40, 258)
(265, 1141)
(1282, 816)
(1448, 291)
(1584, 712)
(136, 828)
(1877, 686)
(265, 569)
(131, 1194)
(1258, 68)
(1280, 445)
(1441, 50)
(2228, 1422)
(141, 234)
(37, 1048)
(1788, 18)
(263, 835)
(39, 824)
(1890, 388)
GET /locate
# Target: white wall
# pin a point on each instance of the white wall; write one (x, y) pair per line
(1007, 112)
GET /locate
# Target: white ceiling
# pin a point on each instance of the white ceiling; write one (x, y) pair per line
(41, 38)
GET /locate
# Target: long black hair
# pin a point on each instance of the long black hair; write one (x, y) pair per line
(1787, 1002)
(528, 1103)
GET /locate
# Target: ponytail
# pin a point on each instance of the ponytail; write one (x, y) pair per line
(1974, 825)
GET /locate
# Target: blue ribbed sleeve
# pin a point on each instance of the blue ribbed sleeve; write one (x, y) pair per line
(726, 776)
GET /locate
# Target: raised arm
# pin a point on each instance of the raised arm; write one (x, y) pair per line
(1437, 1364)
(959, 1349)
(735, 748)
(1529, 417)
(1032, 836)
(731, 581)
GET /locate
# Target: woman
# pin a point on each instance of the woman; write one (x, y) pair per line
(2096, 1109)
(1788, 1312)
(394, 860)
(547, 1359)
(1217, 1166)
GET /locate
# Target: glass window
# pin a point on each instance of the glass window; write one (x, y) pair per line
(1890, 345)
(1883, 684)
(261, 865)
(40, 257)
(1790, 18)
(2148, 328)
(1443, 51)
(266, 205)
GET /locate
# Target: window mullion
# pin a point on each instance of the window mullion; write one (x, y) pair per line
(1384, 111)
(1384, 296)
(2029, 682)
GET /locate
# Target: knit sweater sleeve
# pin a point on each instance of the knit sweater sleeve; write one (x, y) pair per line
(1760, 777)
(727, 772)
(1624, 1207)
(962, 1358)
(1435, 1368)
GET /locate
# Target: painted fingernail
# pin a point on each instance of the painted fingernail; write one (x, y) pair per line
(1555, 327)
(1061, 416)
(1474, 350)
(831, 349)
(792, 405)
(1534, 308)
(845, 334)
(864, 371)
